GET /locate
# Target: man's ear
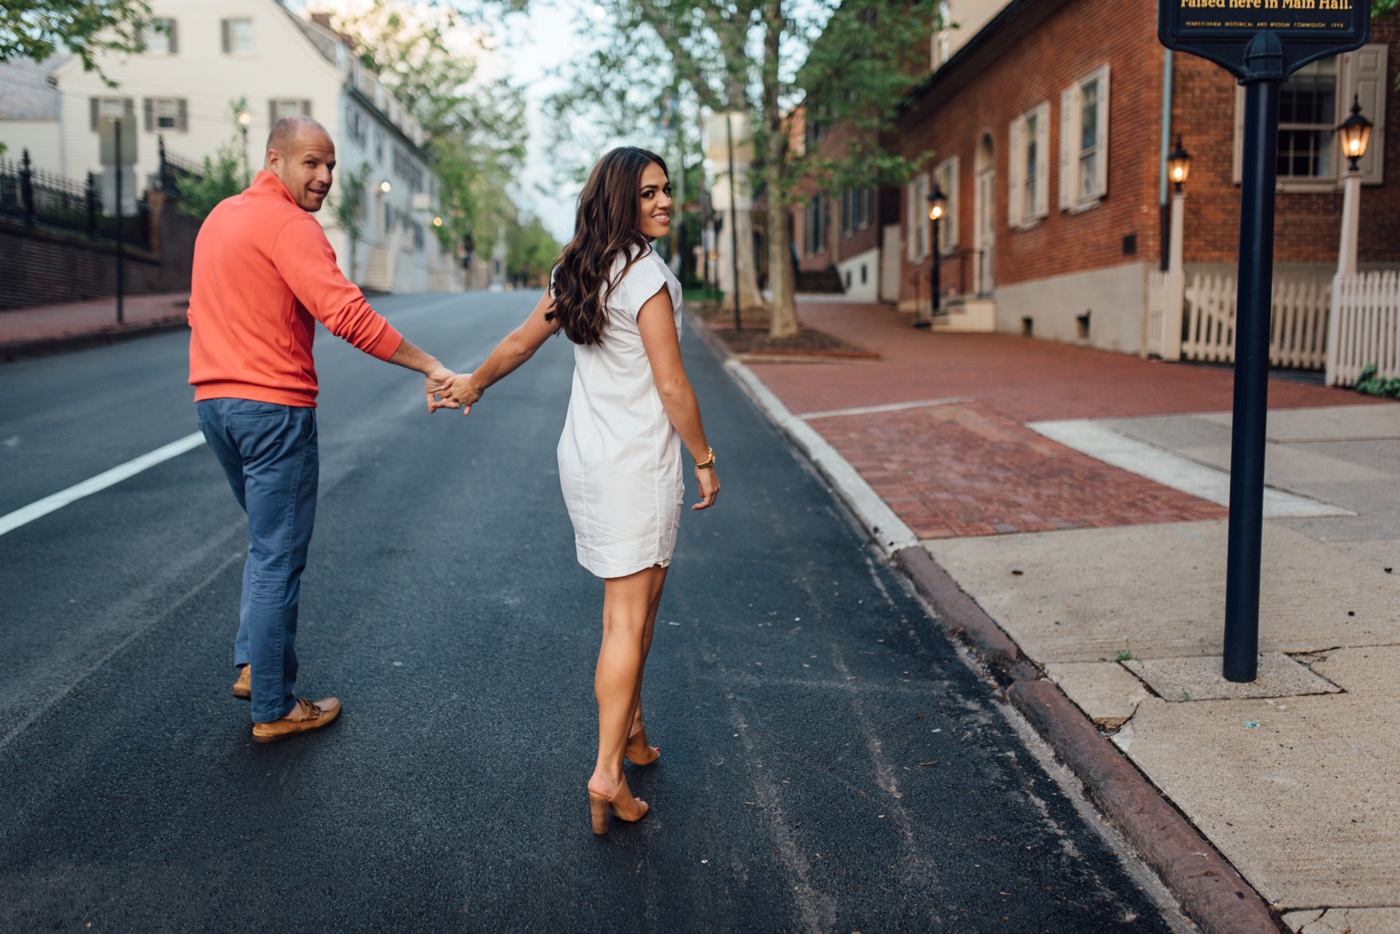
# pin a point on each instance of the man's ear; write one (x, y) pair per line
(274, 159)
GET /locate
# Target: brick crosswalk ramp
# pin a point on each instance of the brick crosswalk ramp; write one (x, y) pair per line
(947, 445)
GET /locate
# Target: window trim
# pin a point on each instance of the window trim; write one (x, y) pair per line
(1019, 215)
(947, 173)
(916, 196)
(226, 31)
(1074, 195)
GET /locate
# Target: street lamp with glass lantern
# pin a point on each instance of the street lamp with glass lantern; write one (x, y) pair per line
(1355, 135)
(243, 118)
(937, 207)
(1178, 164)
(1178, 170)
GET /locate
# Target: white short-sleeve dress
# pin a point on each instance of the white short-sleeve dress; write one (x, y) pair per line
(619, 456)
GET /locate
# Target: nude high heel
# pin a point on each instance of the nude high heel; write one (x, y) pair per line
(620, 805)
(638, 751)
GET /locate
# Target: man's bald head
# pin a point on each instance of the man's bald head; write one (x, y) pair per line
(287, 131)
(301, 154)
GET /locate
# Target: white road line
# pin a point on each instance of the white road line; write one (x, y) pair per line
(103, 480)
(876, 409)
(1173, 470)
(877, 516)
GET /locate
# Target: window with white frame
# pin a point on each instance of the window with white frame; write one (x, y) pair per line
(160, 36)
(857, 209)
(1028, 200)
(355, 121)
(166, 113)
(916, 213)
(942, 35)
(1311, 103)
(947, 176)
(237, 36)
(1084, 141)
(114, 107)
(279, 107)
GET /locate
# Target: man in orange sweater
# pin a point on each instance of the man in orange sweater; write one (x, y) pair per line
(264, 274)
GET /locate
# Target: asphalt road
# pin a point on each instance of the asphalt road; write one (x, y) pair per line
(828, 762)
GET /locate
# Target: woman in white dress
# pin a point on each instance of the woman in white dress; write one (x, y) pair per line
(630, 411)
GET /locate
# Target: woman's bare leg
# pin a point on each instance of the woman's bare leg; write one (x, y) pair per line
(646, 650)
(628, 603)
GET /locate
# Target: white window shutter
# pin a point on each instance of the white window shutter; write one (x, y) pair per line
(1364, 77)
(1013, 173)
(912, 218)
(1237, 163)
(953, 199)
(1042, 161)
(1101, 163)
(1069, 151)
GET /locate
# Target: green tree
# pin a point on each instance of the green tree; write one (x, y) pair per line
(348, 208)
(226, 173)
(530, 251)
(474, 128)
(761, 57)
(39, 29)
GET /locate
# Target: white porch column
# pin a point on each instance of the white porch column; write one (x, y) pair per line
(1351, 223)
(1176, 281)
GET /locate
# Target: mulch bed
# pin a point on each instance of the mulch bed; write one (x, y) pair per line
(807, 342)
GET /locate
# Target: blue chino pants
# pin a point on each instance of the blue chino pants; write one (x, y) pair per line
(270, 455)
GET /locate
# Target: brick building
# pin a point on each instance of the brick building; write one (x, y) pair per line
(1048, 130)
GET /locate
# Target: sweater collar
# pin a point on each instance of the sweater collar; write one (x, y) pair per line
(267, 185)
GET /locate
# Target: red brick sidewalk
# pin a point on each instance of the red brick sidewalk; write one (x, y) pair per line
(970, 466)
(94, 318)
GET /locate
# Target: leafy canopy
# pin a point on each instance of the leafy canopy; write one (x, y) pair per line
(40, 29)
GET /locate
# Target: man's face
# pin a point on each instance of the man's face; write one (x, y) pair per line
(305, 168)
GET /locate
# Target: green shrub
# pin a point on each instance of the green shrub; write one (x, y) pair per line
(1372, 385)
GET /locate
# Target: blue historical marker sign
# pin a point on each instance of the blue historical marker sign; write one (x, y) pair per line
(1220, 30)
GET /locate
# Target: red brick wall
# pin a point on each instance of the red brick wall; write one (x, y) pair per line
(43, 268)
(1307, 225)
(1081, 36)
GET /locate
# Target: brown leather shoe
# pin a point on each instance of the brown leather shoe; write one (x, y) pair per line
(243, 687)
(305, 716)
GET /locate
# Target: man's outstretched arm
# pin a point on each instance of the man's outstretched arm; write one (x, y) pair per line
(434, 373)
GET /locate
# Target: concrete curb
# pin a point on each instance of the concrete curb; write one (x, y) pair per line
(1211, 892)
(44, 346)
(1209, 889)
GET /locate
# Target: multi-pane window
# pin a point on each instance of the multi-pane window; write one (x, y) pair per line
(1311, 104)
(1307, 116)
(947, 177)
(355, 123)
(237, 36)
(818, 216)
(166, 113)
(115, 107)
(1084, 141)
(160, 37)
(1027, 188)
(279, 107)
(857, 209)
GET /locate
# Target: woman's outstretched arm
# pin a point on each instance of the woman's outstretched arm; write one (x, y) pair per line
(513, 350)
(657, 323)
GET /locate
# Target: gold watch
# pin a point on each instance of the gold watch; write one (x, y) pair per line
(706, 464)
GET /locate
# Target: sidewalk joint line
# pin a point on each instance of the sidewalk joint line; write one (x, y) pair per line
(40, 508)
(876, 409)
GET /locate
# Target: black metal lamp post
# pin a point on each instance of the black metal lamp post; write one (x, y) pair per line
(1356, 134)
(1178, 164)
(937, 206)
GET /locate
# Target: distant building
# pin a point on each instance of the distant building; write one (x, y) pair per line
(29, 110)
(208, 55)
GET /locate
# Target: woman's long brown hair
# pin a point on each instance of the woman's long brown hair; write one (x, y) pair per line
(608, 224)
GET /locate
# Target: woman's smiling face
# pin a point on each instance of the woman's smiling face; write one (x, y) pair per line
(655, 211)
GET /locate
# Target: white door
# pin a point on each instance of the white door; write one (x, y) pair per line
(986, 230)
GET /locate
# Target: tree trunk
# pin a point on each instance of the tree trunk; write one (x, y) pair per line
(750, 298)
(783, 309)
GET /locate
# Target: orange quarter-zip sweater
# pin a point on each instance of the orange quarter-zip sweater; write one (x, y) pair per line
(264, 274)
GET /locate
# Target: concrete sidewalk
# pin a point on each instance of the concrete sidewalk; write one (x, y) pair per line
(1073, 504)
(27, 331)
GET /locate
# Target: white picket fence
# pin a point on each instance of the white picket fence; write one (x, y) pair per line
(1365, 327)
(1297, 331)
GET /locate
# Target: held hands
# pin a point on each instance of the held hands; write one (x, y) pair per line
(460, 391)
(434, 382)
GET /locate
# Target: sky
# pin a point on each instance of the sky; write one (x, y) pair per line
(522, 54)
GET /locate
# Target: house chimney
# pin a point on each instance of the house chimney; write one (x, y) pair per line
(322, 19)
